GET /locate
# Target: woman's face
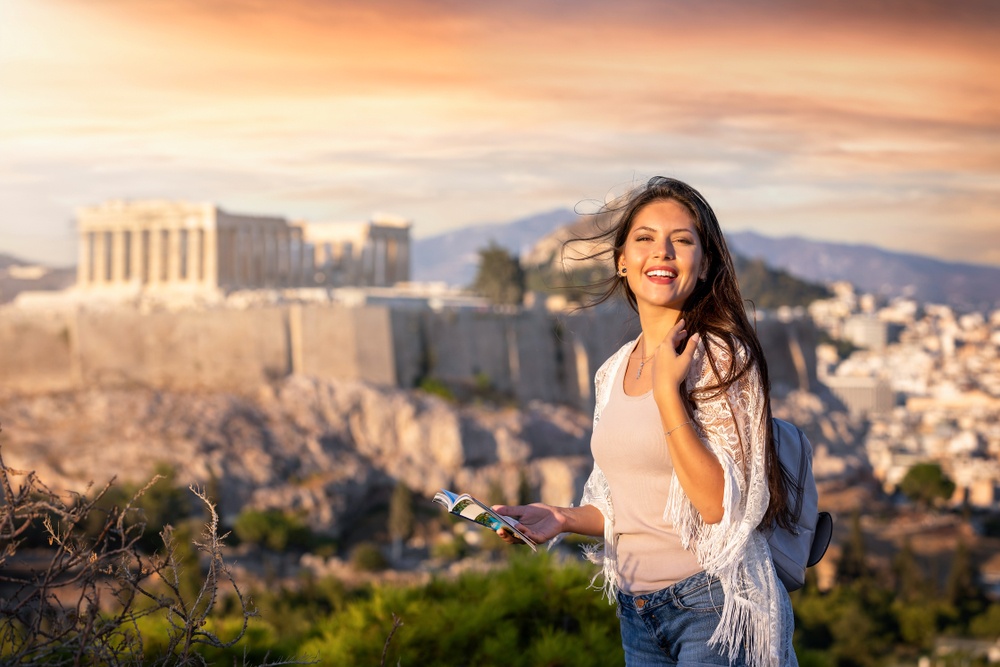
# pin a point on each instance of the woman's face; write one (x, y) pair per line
(663, 255)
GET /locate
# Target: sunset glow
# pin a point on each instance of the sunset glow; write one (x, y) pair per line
(832, 122)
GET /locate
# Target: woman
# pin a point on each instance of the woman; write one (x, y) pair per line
(685, 470)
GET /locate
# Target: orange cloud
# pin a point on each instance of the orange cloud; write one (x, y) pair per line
(548, 103)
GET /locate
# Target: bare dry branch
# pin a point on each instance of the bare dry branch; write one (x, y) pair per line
(80, 597)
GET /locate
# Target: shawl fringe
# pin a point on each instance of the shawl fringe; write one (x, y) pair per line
(756, 613)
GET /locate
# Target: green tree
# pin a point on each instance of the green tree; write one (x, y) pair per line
(856, 637)
(853, 563)
(926, 484)
(962, 588)
(500, 277)
(987, 624)
(910, 581)
(917, 624)
(401, 518)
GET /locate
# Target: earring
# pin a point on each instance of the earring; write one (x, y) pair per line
(622, 271)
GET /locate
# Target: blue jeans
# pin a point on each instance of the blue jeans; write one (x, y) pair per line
(672, 626)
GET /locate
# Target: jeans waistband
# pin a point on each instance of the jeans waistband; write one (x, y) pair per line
(664, 595)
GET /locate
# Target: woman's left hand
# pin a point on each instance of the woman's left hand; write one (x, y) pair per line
(697, 468)
(669, 368)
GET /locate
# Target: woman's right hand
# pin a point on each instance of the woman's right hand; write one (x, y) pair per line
(538, 521)
(542, 522)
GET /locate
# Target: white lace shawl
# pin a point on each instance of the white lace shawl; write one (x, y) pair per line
(757, 613)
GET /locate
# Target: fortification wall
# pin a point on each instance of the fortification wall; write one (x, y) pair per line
(188, 350)
(346, 343)
(37, 352)
(531, 355)
(790, 349)
(230, 350)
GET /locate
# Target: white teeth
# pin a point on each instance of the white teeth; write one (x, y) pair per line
(661, 273)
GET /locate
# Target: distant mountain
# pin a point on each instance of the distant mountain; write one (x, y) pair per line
(9, 260)
(874, 270)
(569, 268)
(17, 275)
(452, 257)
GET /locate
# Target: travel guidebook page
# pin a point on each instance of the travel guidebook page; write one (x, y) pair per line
(469, 508)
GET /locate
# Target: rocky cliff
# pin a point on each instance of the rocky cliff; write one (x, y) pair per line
(333, 449)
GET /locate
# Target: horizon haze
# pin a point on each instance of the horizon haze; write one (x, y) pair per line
(842, 122)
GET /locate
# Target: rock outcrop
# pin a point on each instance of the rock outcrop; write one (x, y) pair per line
(330, 449)
(835, 436)
(333, 450)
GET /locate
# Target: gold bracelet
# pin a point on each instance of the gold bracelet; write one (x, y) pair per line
(667, 433)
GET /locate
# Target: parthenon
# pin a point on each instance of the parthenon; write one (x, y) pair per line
(366, 254)
(172, 244)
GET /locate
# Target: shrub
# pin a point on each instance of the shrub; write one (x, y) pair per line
(436, 387)
(272, 529)
(454, 548)
(534, 612)
(160, 504)
(367, 557)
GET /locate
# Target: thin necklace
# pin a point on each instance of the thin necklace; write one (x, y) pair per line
(642, 362)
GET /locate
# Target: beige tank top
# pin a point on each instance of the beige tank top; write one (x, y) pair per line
(629, 446)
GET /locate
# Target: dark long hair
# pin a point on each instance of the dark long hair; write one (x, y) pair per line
(715, 308)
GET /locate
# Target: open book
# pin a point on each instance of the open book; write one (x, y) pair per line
(469, 508)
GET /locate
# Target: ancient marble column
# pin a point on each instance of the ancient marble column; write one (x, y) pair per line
(270, 247)
(253, 277)
(100, 258)
(379, 267)
(403, 260)
(306, 262)
(211, 253)
(284, 258)
(118, 256)
(276, 258)
(173, 256)
(155, 256)
(293, 260)
(195, 259)
(84, 267)
(138, 261)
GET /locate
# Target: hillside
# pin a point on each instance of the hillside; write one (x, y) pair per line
(452, 257)
(876, 270)
(18, 276)
(553, 264)
(331, 449)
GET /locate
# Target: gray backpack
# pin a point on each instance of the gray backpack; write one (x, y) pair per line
(794, 550)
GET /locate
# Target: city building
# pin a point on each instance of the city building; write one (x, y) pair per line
(867, 332)
(862, 395)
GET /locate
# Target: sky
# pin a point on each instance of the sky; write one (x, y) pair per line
(840, 120)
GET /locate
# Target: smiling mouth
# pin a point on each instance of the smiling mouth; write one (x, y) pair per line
(661, 273)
